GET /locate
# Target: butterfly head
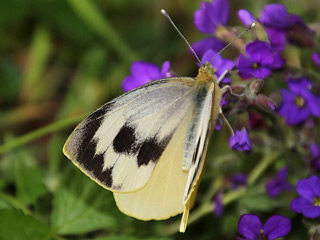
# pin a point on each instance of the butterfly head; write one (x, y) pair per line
(206, 74)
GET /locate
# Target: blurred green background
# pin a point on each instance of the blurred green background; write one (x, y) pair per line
(62, 59)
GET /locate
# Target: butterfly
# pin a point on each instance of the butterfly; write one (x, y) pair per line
(149, 145)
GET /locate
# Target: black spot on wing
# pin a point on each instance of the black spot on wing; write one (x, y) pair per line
(106, 177)
(125, 141)
(85, 132)
(151, 150)
(93, 164)
(146, 150)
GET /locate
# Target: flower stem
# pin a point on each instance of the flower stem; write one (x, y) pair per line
(261, 167)
(22, 140)
(229, 197)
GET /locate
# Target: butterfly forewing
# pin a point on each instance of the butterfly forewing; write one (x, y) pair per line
(120, 144)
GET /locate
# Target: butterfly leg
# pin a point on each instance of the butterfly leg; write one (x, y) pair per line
(226, 121)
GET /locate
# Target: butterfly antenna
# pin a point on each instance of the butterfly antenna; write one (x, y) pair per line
(236, 38)
(186, 41)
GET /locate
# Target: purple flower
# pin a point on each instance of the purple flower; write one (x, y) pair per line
(316, 58)
(315, 157)
(238, 180)
(275, 15)
(281, 25)
(279, 183)
(251, 228)
(204, 45)
(240, 141)
(143, 72)
(277, 38)
(299, 103)
(246, 17)
(210, 15)
(260, 62)
(309, 201)
(219, 64)
(218, 204)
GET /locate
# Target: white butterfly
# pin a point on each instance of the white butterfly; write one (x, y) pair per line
(149, 145)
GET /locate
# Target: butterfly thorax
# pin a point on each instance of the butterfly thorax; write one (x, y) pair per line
(206, 75)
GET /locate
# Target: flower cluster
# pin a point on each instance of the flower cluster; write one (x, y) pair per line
(261, 59)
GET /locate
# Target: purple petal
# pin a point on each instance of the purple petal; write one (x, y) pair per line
(226, 64)
(203, 45)
(316, 188)
(295, 19)
(165, 69)
(260, 52)
(207, 57)
(275, 15)
(305, 187)
(279, 183)
(310, 211)
(298, 85)
(224, 81)
(240, 141)
(261, 72)
(315, 150)
(277, 38)
(278, 61)
(204, 18)
(131, 82)
(218, 205)
(249, 226)
(297, 115)
(287, 96)
(222, 10)
(239, 179)
(246, 17)
(316, 58)
(144, 71)
(290, 111)
(211, 15)
(244, 66)
(313, 103)
(298, 204)
(276, 226)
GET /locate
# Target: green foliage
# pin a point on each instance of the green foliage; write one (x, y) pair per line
(61, 60)
(15, 225)
(71, 215)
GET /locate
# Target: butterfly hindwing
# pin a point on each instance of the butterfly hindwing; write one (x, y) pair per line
(162, 196)
(120, 144)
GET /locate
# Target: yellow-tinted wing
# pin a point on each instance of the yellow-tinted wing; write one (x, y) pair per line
(162, 196)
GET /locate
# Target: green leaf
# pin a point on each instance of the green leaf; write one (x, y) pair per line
(30, 185)
(15, 224)
(28, 177)
(73, 215)
(21, 168)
